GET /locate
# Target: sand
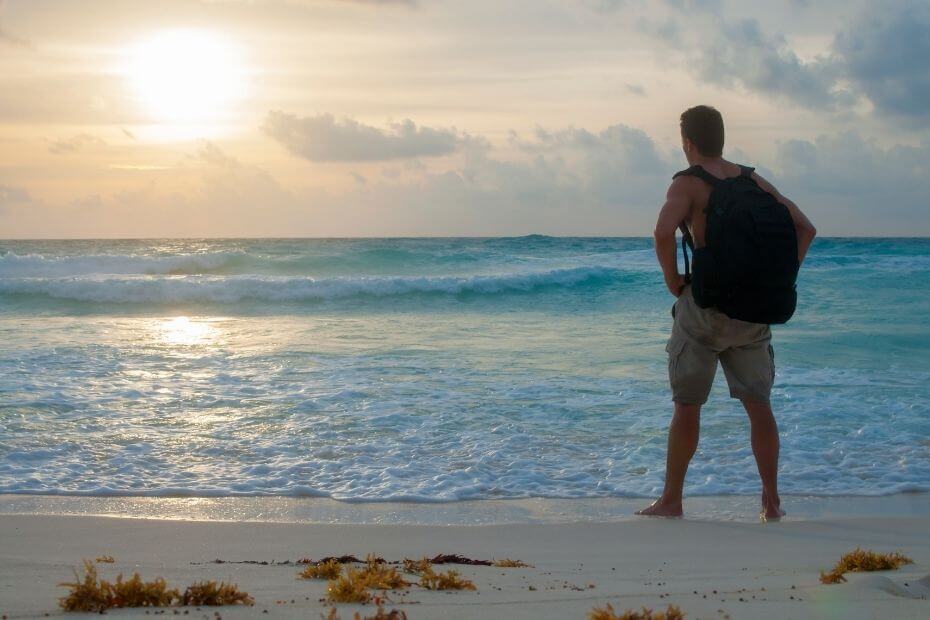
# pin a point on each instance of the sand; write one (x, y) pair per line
(709, 568)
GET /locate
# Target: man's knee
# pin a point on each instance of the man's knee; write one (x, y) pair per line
(687, 409)
(758, 409)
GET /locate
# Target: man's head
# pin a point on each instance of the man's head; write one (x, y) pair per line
(701, 132)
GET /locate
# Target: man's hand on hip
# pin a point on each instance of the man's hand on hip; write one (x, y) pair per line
(676, 286)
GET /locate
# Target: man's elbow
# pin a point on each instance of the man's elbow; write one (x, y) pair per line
(662, 234)
(805, 229)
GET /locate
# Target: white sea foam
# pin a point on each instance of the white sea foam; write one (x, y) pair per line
(232, 289)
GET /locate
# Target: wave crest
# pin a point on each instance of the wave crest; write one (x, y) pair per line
(233, 289)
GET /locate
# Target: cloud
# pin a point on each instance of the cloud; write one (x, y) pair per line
(11, 39)
(560, 181)
(885, 53)
(740, 53)
(323, 138)
(74, 143)
(855, 186)
(12, 196)
(6, 37)
(880, 55)
(407, 3)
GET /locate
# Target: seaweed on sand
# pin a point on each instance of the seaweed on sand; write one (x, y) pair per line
(331, 569)
(860, 561)
(416, 566)
(341, 559)
(608, 613)
(394, 614)
(87, 594)
(508, 563)
(449, 580)
(92, 594)
(382, 577)
(380, 614)
(454, 558)
(354, 584)
(431, 580)
(208, 593)
(137, 593)
(350, 587)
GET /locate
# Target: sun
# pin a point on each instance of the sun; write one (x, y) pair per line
(186, 75)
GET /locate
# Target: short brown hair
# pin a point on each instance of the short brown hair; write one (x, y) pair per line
(703, 125)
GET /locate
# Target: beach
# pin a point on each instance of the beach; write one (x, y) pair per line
(733, 567)
(173, 403)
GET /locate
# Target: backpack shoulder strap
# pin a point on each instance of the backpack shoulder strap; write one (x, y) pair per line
(746, 171)
(699, 172)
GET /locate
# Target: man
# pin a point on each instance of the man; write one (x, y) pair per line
(702, 336)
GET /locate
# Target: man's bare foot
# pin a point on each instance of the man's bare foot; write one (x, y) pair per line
(771, 509)
(662, 508)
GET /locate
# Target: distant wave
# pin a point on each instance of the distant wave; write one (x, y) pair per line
(232, 289)
(38, 266)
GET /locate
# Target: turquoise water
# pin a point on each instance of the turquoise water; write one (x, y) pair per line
(433, 370)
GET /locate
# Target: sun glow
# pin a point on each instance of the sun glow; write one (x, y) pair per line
(182, 331)
(186, 76)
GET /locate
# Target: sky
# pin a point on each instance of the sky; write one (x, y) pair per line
(283, 118)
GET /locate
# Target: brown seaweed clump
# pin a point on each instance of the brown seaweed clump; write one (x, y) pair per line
(86, 594)
(508, 563)
(608, 613)
(454, 558)
(137, 593)
(380, 614)
(350, 587)
(416, 566)
(449, 580)
(431, 580)
(380, 576)
(394, 614)
(209, 594)
(89, 593)
(353, 586)
(92, 594)
(105, 559)
(860, 561)
(331, 569)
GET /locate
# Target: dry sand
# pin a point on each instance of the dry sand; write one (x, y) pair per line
(709, 568)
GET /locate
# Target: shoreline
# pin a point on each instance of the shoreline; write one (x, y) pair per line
(710, 569)
(319, 510)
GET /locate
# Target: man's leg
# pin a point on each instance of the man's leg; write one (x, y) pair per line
(683, 435)
(765, 446)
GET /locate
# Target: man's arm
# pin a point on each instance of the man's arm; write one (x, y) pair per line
(675, 211)
(806, 231)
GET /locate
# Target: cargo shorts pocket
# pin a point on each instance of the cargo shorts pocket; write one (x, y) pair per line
(772, 361)
(674, 347)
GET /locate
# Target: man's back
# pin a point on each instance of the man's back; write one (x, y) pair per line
(699, 192)
(701, 337)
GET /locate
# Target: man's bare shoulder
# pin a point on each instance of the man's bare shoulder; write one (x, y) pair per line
(685, 185)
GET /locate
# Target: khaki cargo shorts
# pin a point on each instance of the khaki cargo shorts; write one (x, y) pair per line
(701, 336)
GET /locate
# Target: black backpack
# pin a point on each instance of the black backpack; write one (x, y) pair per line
(749, 264)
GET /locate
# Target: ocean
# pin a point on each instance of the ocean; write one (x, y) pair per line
(434, 370)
